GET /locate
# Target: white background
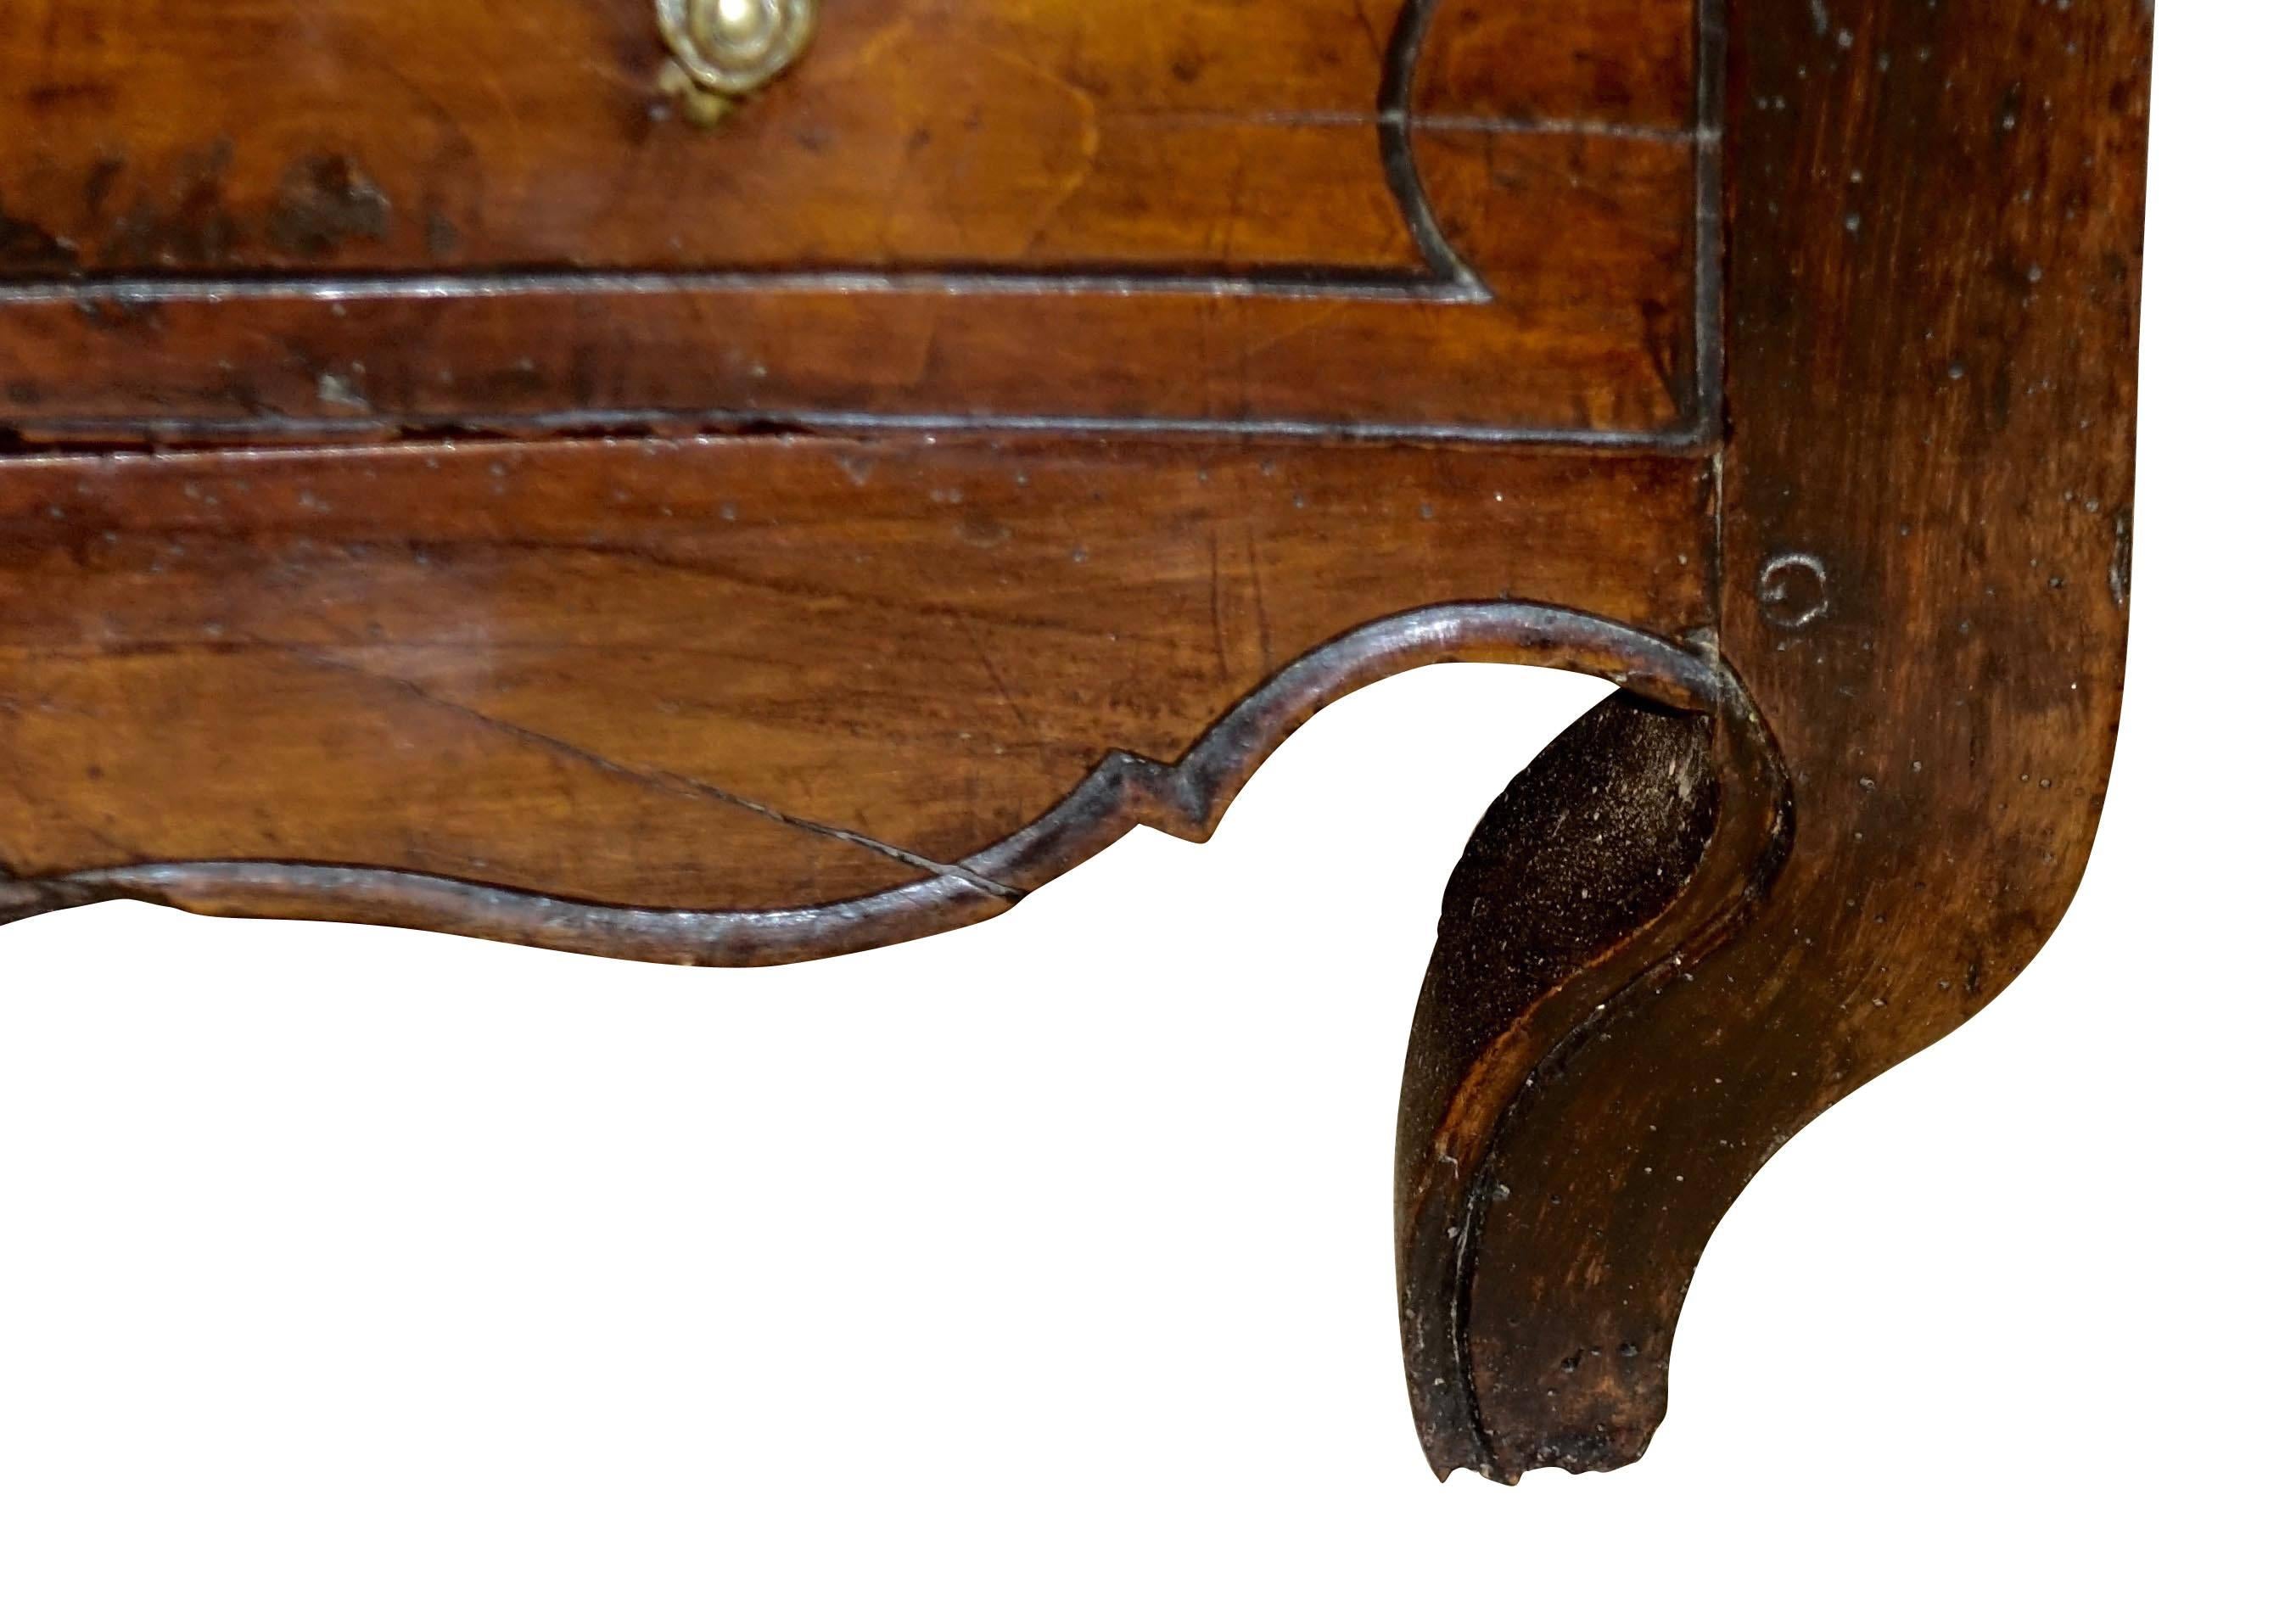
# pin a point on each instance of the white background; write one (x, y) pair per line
(1051, 1257)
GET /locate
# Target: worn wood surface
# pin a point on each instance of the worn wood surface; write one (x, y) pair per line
(423, 135)
(594, 670)
(1314, 212)
(905, 593)
(1936, 221)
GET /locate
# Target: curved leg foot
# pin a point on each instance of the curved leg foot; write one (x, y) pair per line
(1635, 843)
(1637, 996)
(1656, 962)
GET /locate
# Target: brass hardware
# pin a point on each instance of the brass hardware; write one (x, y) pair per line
(721, 50)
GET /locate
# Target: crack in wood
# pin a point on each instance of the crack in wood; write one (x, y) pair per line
(669, 783)
(1186, 797)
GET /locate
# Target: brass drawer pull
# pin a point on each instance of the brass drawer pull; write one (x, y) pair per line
(721, 50)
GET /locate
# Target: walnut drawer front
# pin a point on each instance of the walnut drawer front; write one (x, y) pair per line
(1407, 215)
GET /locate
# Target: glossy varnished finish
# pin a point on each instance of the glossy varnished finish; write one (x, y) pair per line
(654, 675)
(429, 134)
(1398, 214)
(629, 568)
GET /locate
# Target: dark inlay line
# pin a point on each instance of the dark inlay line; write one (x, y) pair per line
(59, 434)
(1396, 81)
(1278, 283)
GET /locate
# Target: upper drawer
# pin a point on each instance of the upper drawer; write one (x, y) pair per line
(1412, 215)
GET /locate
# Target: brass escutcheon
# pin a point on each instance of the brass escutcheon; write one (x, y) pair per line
(720, 50)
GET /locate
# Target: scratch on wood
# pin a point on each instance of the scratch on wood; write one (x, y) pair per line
(673, 784)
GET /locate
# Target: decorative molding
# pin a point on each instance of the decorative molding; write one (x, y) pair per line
(1444, 276)
(1186, 799)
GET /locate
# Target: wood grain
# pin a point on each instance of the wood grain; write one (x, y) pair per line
(751, 600)
(1048, 210)
(427, 133)
(1186, 797)
(594, 670)
(377, 135)
(1629, 66)
(1937, 222)
(1592, 339)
